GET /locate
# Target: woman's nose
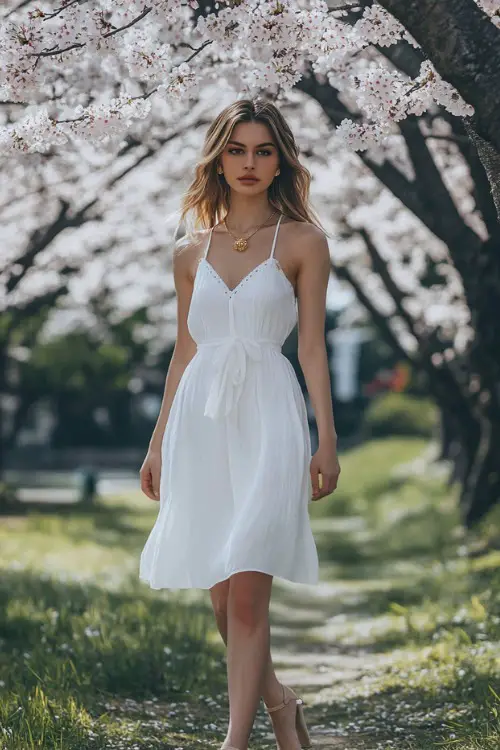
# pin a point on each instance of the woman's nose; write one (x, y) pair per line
(249, 162)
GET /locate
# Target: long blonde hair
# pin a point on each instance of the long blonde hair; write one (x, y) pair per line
(207, 198)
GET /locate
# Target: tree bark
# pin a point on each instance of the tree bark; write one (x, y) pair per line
(3, 389)
(481, 491)
(490, 159)
(483, 180)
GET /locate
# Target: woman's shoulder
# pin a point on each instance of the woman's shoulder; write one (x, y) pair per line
(301, 231)
(308, 244)
(187, 251)
(190, 243)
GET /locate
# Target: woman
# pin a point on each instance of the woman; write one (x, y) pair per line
(235, 455)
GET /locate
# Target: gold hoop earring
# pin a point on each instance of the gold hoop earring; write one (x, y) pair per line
(219, 170)
(277, 173)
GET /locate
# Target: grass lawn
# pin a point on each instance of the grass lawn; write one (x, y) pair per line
(397, 647)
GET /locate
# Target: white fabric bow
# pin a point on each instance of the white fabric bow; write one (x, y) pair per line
(230, 372)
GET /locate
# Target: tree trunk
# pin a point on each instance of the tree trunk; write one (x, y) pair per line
(452, 448)
(481, 491)
(3, 388)
(490, 158)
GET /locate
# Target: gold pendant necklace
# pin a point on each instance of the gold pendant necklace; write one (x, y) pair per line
(241, 243)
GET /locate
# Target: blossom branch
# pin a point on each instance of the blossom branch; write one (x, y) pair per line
(60, 10)
(79, 45)
(448, 32)
(17, 8)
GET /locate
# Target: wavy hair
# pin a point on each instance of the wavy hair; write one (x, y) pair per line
(206, 201)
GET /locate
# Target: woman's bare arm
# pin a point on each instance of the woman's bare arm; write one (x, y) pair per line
(312, 282)
(185, 348)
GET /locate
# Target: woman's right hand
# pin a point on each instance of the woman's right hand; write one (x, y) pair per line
(150, 474)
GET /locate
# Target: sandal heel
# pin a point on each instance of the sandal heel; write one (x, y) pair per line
(300, 722)
(301, 726)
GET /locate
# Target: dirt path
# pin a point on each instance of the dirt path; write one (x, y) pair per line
(306, 622)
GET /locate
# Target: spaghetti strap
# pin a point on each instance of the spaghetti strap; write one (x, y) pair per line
(208, 242)
(176, 230)
(276, 236)
(272, 248)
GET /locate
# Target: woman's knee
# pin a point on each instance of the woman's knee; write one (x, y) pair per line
(219, 595)
(249, 595)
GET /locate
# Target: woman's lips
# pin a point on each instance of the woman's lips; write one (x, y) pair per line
(248, 179)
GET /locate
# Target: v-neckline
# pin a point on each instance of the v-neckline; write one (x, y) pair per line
(263, 263)
(240, 282)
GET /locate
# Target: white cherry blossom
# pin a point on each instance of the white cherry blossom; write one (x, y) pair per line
(84, 65)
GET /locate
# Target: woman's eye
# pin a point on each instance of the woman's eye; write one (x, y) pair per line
(264, 151)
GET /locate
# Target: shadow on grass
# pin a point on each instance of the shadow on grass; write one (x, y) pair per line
(344, 504)
(66, 636)
(415, 535)
(397, 558)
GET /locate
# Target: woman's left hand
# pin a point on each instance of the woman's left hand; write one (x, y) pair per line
(325, 463)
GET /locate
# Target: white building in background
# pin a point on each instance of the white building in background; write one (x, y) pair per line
(345, 344)
(346, 350)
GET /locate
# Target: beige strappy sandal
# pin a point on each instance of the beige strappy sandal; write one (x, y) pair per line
(300, 722)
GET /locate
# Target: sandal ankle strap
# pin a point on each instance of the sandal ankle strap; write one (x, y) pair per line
(281, 705)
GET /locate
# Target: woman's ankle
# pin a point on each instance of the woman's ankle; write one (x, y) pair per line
(273, 694)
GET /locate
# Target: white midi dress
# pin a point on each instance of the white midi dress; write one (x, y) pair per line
(235, 484)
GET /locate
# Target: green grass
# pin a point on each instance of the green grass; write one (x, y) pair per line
(90, 658)
(75, 644)
(424, 614)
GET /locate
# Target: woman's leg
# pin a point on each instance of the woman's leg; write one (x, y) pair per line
(247, 651)
(243, 601)
(272, 693)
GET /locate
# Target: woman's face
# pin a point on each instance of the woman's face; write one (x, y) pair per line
(250, 152)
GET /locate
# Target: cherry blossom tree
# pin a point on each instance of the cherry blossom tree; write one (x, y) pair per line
(410, 165)
(90, 70)
(465, 51)
(73, 231)
(402, 275)
(115, 74)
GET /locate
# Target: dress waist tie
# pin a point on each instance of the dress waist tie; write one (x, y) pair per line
(230, 367)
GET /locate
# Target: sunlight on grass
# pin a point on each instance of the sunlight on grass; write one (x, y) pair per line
(79, 544)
